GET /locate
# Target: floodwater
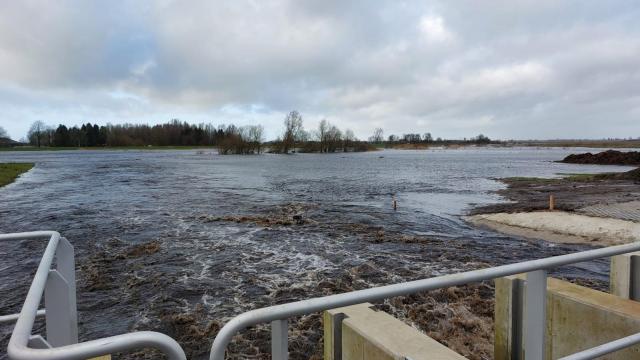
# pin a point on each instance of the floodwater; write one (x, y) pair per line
(181, 241)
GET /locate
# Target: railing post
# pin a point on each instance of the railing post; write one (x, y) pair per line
(60, 298)
(279, 340)
(337, 336)
(535, 315)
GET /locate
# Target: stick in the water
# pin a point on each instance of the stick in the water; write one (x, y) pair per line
(552, 202)
(395, 204)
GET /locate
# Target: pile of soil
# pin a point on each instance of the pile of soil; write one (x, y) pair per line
(609, 157)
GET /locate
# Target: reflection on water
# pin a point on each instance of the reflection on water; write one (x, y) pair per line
(202, 261)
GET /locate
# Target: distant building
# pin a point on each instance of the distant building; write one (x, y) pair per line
(6, 142)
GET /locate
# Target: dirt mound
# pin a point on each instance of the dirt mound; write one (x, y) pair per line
(609, 157)
(632, 175)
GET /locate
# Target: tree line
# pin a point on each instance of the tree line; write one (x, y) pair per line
(426, 138)
(229, 139)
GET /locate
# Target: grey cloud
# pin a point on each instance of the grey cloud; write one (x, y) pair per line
(453, 68)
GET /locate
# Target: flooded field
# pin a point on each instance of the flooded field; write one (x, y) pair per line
(181, 241)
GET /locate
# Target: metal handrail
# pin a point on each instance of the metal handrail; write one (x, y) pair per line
(605, 349)
(21, 338)
(14, 317)
(19, 349)
(535, 300)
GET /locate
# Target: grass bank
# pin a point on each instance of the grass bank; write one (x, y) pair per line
(571, 192)
(9, 172)
(568, 177)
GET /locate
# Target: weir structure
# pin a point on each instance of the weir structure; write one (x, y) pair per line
(61, 338)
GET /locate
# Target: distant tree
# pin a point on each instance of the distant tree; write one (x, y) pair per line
(61, 136)
(304, 136)
(482, 139)
(102, 136)
(411, 138)
(323, 128)
(255, 138)
(378, 136)
(427, 137)
(292, 131)
(37, 133)
(334, 138)
(349, 139)
(3, 133)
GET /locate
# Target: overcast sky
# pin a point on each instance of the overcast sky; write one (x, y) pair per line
(508, 69)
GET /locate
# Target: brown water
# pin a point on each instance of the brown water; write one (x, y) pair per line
(180, 241)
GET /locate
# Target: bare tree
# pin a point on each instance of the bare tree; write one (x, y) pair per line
(255, 137)
(36, 133)
(3, 133)
(378, 136)
(334, 138)
(349, 139)
(292, 130)
(323, 128)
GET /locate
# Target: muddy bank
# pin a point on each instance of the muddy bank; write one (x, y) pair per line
(609, 157)
(571, 193)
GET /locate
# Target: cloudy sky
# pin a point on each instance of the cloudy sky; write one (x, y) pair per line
(508, 69)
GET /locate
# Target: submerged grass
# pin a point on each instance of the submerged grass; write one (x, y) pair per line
(9, 172)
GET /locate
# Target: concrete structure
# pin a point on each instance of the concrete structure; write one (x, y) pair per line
(577, 318)
(625, 276)
(358, 332)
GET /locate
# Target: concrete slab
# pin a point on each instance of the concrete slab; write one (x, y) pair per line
(375, 335)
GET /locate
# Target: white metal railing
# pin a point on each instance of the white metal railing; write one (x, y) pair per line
(61, 341)
(535, 300)
(59, 288)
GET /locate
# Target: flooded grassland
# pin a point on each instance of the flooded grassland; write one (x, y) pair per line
(181, 241)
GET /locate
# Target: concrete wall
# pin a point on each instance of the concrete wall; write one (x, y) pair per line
(625, 276)
(578, 318)
(508, 318)
(358, 332)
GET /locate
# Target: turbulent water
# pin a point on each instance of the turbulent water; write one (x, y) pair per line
(181, 241)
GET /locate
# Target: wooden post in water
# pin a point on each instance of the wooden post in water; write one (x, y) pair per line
(552, 202)
(395, 204)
